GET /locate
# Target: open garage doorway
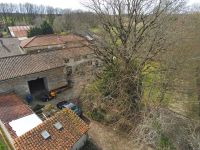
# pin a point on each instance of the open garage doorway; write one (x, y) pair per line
(38, 87)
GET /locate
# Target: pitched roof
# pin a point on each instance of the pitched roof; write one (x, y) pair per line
(9, 47)
(19, 31)
(20, 65)
(12, 108)
(53, 39)
(64, 139)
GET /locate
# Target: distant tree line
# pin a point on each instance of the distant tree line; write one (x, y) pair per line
(75, 21)
(15, 13)
(61, 19)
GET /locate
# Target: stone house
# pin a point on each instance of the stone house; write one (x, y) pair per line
(9, 47)
(63, 131)
(35, 72)
(49, 42)
(12, 111)
(19, 32)
(26, 131)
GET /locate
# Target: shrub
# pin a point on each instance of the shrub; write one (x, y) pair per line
(34, 31)
(165, 143)
(97, 115)
(45, 28)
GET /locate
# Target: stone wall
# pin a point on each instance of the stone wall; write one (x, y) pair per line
(80, 143)
(55, 78)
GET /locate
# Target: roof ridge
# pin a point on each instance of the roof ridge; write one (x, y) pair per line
(46, 35)
(65, 49)
(30, 40)
(59, 38)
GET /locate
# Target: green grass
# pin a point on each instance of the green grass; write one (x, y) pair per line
(153, 93)
(5, 34)
(2, 145)
(165, 143)
(95, 30)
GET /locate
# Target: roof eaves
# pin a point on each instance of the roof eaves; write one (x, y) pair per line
(31, 73)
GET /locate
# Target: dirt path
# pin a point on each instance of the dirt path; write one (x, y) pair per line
(106, 139)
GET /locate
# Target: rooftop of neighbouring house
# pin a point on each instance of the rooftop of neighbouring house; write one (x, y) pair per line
(16, 115)
(52, 39)
(12, 107)
(9, 47)
(19, 31)
(17, 66)
(70, 128)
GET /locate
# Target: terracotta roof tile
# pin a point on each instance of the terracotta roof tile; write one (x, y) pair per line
(64, 139)
(53, 39)
(19, 31)
(12, 108)
(20, 65)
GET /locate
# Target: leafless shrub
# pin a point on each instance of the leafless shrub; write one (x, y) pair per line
(165, 129)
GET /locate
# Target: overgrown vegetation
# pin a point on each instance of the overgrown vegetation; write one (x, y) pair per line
(128, 46)
(145, 69)
(4, 143)
(149, 55)
(2, 146)
(44, 28)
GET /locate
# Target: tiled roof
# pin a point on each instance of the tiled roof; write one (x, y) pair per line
(15, 66)
(9, 47)
(12, 108)
(53, 39)
(19, 31)
(64, 139)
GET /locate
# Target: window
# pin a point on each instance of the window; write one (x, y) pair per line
(58, 126)
(45, 134)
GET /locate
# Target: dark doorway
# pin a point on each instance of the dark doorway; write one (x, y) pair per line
(37, 87)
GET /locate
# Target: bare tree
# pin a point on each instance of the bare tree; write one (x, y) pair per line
(133, 33)
(132, 23)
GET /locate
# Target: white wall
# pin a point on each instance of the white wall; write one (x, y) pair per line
(80, 143)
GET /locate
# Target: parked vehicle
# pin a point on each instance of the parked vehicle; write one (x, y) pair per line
(60, 104)
(69, 105)
(48, 96)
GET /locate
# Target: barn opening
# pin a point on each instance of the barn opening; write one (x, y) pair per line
(38, 87)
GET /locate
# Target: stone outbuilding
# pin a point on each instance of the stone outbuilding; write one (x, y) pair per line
(33, 73)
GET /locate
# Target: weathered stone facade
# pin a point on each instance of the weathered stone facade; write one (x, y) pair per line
(55, 78)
